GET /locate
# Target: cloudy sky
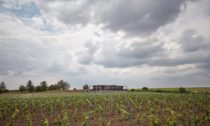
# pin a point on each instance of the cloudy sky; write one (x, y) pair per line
(154, 43)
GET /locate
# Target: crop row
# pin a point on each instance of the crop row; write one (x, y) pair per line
(128, 109)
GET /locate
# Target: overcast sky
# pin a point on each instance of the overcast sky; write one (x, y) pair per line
(153, 43)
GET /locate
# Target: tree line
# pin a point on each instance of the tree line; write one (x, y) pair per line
(43, 86)
(60, 85)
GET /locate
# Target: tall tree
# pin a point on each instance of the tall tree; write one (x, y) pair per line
(43, 85)
(3, 88)
(63, 85)
(30, 86)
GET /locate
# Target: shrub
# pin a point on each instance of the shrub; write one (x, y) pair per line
(145, 89)
(132, 89)
(158, 90)
(182, 90)
(85, 87)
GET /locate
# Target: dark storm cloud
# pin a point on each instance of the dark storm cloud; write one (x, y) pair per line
(194, 50)
(139, 17)
(191, 41)
(135, 18)
(137, 53)
(205, 67)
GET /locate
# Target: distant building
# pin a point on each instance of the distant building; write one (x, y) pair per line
(108, 88)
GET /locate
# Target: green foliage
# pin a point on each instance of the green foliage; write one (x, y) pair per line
(172, 119)
(85, 119)
(155, 121)
(139, 119)
(64, 108)
(85, 87)
(145, 88)
(63, 85)
(43, 85)
(3, 88)
(13, 118)
(38, 88)
(53, 87)
(159, 90)
(29, 119)
(124, 113)
(65, 121)
(182, 90)
(22, 88)
(45, 122)
(30, 86)
(132, 89)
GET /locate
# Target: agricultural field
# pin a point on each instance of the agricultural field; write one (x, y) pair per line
(104, 109)
(176, 90)
(189, 89)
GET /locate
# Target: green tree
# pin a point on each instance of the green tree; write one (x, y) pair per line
(30, 86)
(2, 85)
(145, 89)
(182, 90)
(63, 85)
(43, 85)
(53, 87)
(85, 87)
(39, 88)
(22, 88)
(133, 89)
(3, 88)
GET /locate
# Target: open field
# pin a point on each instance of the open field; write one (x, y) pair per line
(110, 109)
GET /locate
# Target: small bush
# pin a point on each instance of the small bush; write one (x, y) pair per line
(133, 89)
(145, 89)
(158, 90)
(182, 90)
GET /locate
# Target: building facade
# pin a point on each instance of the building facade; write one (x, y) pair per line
(107, 88)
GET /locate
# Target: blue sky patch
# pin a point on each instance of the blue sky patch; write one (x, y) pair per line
(28, 10)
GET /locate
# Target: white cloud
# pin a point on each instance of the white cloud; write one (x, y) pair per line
(88, 42)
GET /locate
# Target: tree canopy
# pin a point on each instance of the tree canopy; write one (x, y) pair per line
(63, 85)
(3, 88)
(30, 86)
(85, 87)
(22, 88)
